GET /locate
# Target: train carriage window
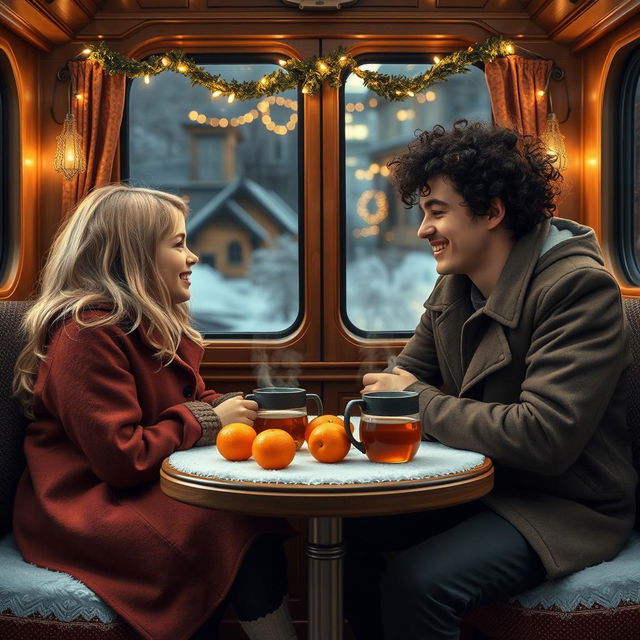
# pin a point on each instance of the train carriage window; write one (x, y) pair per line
(628, 164)
(389, 272)
(237, 164)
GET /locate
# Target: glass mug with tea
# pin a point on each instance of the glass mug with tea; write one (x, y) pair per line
(389, 425)
(283, 408)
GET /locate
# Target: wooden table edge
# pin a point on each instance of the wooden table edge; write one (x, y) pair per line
(280, 499)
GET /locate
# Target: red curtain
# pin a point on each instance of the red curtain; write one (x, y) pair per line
(98, 116)
(513, 85)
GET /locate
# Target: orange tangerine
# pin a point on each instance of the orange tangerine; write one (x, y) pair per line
(235, 440)
(322, 420)
(328, 442)
(273, 449)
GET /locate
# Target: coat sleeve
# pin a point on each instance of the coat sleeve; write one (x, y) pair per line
(419, 354)
(577, 355)
(90, 389)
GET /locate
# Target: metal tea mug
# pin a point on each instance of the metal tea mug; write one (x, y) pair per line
(389, 425)
(283, 408)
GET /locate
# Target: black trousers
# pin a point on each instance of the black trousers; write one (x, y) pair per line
(447, 562)
(259, 586)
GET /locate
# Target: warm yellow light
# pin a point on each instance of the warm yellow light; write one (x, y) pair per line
(373, 103)
(201, 118)
(193, 115)
(182, 68)
(283, 63)
(436, 59)
(147, 79)
(224, 122)
(231, 98)
(263, 80)
(510, 49)
(322, 67)
(410, 94)
(69, 159)
(215, 94)
(540, 93)
(430, 96)
(305, 89)
(28, 162)
(79, 96)
(343, 59)
(86, 52)
(165, 61)
(384, 171)
(593, 162)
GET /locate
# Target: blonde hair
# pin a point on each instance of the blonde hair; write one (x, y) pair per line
(105, 255)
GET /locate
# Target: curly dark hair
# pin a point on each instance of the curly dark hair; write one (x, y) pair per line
(482, 162)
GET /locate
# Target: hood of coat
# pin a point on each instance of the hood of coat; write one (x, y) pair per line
(567, 238)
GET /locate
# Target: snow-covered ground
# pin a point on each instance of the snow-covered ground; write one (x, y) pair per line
(379, 297)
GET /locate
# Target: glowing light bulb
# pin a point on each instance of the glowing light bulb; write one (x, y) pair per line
(436, 59)
(165, 61)
(147, 80)
(231, 98)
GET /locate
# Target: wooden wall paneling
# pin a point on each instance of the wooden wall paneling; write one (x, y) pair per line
(602, 65)
(20, 63)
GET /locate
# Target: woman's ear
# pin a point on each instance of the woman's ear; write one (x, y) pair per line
(495, 212)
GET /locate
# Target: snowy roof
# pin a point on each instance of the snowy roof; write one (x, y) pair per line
(227, 200)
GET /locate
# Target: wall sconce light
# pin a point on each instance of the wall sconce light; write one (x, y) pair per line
(69, 159)
(552, 138)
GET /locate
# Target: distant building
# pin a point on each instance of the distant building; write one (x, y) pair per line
(225, 231)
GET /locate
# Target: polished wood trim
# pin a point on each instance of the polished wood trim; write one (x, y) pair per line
(602, 64)
(607, 23)
(328, 500)
(22, 269)
(23, 27)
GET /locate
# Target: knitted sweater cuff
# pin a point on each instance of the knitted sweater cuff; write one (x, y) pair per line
(203, 412)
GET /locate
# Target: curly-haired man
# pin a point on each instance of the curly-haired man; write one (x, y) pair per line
(520, 355)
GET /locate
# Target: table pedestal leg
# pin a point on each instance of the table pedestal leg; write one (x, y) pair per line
(325, 551)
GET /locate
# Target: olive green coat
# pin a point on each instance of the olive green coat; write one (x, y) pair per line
(535, 380)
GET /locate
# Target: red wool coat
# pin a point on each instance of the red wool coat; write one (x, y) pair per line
(89, 502)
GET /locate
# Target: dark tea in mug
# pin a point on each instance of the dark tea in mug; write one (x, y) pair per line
(293, 421)
(388, 439)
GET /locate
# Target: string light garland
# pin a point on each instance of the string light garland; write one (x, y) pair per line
(310, 73)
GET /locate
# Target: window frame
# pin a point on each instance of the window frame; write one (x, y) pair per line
(367, 58)
(625, 169)
(259, 57)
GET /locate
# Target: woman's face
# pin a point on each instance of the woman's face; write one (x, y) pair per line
(174, 261)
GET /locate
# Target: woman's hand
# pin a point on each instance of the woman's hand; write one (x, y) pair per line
(399, 380)
(237, 409)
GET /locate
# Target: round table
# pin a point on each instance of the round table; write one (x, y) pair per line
(437, 477)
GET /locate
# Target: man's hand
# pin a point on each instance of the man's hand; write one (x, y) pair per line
(399, 380)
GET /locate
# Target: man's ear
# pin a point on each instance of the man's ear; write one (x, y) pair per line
(495, 213)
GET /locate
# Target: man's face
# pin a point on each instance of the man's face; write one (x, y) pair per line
(459, 240)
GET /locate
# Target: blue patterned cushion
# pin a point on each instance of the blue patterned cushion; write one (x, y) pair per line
(605, 584)
(26, 589)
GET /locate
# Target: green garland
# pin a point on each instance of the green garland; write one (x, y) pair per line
(310, 73)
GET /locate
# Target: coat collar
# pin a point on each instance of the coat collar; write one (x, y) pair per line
(471, 347)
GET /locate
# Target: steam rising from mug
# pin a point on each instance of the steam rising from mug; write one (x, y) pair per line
(288, 369)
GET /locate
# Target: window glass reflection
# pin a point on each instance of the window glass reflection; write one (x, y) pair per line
(236, 165)
(390, 272)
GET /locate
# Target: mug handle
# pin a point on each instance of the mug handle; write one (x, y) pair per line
(316, 398)
(347, 414)
(250, 396)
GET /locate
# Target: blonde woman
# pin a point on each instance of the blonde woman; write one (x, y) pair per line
(109, 376)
